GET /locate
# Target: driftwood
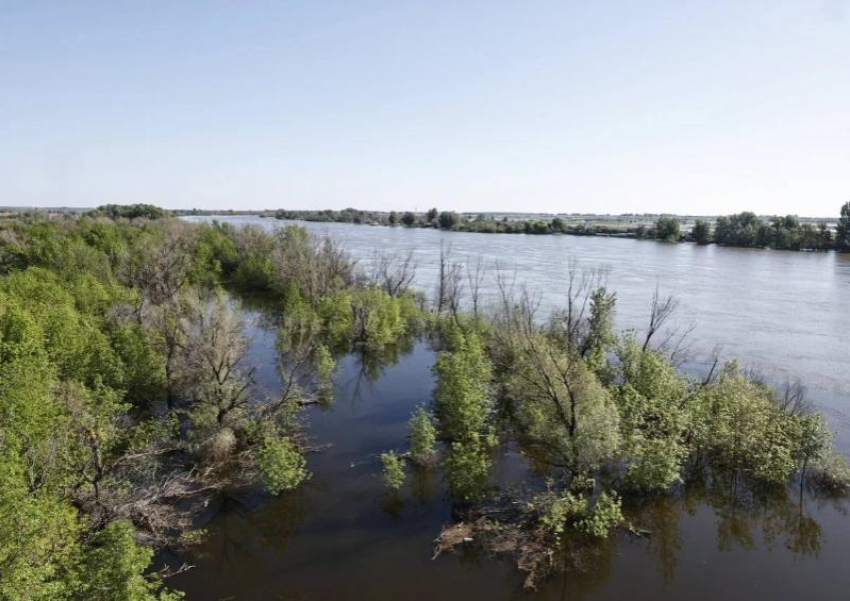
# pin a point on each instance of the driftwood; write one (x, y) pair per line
(505, 529)
(511, 528)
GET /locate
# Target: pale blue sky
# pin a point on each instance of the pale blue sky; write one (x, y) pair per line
(698, 107)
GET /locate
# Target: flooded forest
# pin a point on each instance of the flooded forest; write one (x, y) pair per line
(226, 409)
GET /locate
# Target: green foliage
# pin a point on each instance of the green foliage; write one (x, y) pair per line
(393, 470)
(463, 389)
(335, 313)
(214, 257)
(255, 270)
(468, 469)
(739, 423)
(133, 211)
(600, 336)
(654, 417)
(46, 429)
(448, 220)
(325, 364)
(605, 515)
(563, 412)
(562, 512)
(380, 319)
(113, 568)
(701, 232)
(281, 464)
(668, 229)
(831, 472)
(423, 435)
(746, 229)
(573, 511)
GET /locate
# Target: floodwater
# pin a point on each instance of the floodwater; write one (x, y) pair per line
(343, 536)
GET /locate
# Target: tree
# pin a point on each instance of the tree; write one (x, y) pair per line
(132, 211)
(463, 400)
(450, 285)
(408, 219)
(281, 465)
(654, 416)
(448, 220)
(393, 471)
(422, 436)
(842, 232)
(394, 272)
(557, 225)
(668, 229)
(431, 215)
(217, 378)
(701, 232)
(744, 229)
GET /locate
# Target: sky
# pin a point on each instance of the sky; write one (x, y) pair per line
(679, 106)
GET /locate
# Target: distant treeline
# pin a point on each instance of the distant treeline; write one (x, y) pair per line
(743, 229)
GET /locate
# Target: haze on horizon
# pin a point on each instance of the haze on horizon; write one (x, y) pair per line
(608, 107)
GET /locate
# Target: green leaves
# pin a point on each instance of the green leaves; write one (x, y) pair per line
(114, 566)
(654, 417)
(463, 389)
(571, 511)
(393, 470)
(281, 464)
(423, 436)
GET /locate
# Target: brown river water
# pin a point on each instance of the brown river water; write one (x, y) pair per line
(343, 536)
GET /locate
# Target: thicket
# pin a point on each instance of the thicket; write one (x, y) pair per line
(127, 398)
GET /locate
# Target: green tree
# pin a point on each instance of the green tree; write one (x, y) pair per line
(408, 219)
(393, 470)
(281, 464)
(701, 232)
(468, 469)
(668, 229)
(654, 417)
(463, 398)
(449, 220)
(113, 569)
(423, 436)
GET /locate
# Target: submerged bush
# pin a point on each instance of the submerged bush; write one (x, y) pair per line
(463, 390)
(423, 436)
(393, 470)
(573, 511)
(282, 466)
(468, 469)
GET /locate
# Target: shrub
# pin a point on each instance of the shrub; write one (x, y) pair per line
(282, 466)
(393, 471)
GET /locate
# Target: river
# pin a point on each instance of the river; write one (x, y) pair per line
(343, 536)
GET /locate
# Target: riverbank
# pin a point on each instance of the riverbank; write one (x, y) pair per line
(745, 229)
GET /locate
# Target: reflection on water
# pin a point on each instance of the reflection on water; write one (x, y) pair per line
(344, 536)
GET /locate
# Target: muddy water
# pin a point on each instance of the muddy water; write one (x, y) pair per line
(343, 536)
